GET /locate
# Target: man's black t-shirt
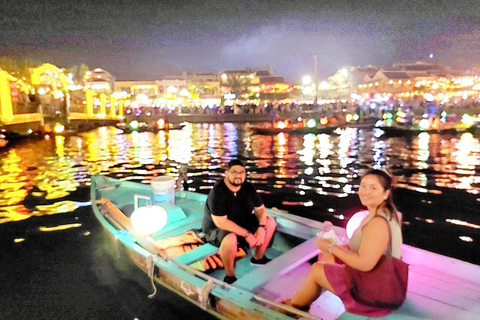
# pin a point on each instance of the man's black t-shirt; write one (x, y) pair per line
(237, 206)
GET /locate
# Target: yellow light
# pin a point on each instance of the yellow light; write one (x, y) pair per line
(60, 227)
(280, 125)
(348, 117)
(59, 128)
(323, 121)
(161, 123)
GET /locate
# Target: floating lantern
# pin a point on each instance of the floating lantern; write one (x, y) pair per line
(134, 124)
(161, 123)
(311, 123)
(424, 124)
(355, 222)
(467, 120)
(59, 128)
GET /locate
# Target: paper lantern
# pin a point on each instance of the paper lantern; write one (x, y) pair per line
(148, 220)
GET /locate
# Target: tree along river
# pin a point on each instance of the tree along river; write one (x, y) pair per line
(316, 176)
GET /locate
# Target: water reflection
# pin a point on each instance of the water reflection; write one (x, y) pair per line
(311, 175)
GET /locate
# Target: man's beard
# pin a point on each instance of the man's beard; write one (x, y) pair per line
(234, 183)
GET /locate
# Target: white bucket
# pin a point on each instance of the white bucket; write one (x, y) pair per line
(163, 189)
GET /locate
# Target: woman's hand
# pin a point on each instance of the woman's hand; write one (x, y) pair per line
(323, 244)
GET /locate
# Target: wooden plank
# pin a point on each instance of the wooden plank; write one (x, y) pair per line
(182, 225)
(284, 263)
(440, 295)
(444, 282)
(445, 279)
(196, 254)
(451, 266)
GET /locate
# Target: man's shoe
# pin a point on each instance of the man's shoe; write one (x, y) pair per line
(229, 279)
(260, 262)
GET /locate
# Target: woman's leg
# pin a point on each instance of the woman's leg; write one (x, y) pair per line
(312, 287)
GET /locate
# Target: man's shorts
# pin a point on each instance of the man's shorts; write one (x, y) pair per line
(215, 236)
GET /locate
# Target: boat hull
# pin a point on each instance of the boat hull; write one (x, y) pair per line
(439, 287)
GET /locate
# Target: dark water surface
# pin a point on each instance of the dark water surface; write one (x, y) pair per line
(57, 265)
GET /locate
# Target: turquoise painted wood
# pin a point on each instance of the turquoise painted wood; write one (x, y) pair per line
(439, 287)
(196, 254)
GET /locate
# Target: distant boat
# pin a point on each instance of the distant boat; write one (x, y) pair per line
(144, 127)
(295, 129)
(396, 130)
(439, 287)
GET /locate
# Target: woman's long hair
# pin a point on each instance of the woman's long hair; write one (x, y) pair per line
(387, 183)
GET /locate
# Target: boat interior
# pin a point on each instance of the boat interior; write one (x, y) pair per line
(439, 287)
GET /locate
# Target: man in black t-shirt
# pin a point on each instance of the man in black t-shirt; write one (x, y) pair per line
(229, 222)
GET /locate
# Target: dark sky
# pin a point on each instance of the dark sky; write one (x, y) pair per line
(146, 40)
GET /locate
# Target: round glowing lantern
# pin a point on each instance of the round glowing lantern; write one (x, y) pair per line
(59, 128)
(323, 121)
(311, 123)
(149, 219)
(467, 119)
(355, 222)
(161, 123)
(424, 124)
(134, 124)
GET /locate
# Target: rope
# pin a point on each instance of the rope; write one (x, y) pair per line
(205, 293)
(151, 271)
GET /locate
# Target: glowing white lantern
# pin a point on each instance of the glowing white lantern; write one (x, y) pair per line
(150, 219)
(355, 222)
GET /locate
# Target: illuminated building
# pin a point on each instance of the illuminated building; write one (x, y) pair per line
(99, 81)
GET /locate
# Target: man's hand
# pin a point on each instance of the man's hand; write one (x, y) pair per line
(251, 240)
(260, 235)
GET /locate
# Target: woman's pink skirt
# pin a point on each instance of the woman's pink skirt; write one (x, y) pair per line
(335, 273)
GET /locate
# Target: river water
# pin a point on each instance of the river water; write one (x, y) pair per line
(60, 267)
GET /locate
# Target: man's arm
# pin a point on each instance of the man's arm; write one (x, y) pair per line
(222, 222)
(261, 214)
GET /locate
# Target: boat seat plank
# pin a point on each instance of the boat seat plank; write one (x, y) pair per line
(445, 278)
(182, 225)
(284, 263)
(441, 295)
(196, 254)
(444, 285)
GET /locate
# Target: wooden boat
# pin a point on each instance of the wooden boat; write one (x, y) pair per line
(315, 130)
(396, 130)
(149, 128)
(439, 287)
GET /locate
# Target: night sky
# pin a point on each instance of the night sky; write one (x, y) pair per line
(147, 40)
